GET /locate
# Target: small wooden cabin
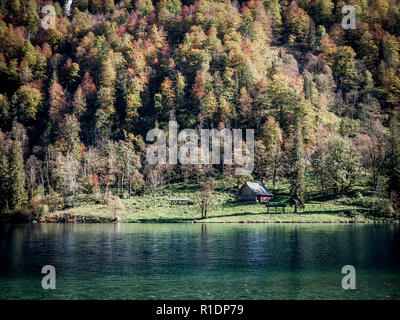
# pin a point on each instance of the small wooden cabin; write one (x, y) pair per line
(253, 191)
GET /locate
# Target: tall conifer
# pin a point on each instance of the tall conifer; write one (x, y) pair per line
(16, 186)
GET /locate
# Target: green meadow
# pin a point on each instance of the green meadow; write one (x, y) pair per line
(353, 207)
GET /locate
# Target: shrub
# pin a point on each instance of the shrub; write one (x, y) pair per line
(358, 200)
(350, 213)
(44, 210)
(383, 208)
(54, 201)
(84, 199)
(116, 204)
(30, 211)
(69, 202)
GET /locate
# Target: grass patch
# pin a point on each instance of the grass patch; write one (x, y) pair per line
(319, 208)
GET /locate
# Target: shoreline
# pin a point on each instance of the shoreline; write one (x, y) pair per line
(209, 222)
(101, 221)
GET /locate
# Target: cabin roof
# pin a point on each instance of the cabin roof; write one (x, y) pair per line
(258, 189)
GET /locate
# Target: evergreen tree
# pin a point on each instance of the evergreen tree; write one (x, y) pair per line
(106, 97)
(4, 181)
(69, 133)
(133, 101)
(297, 176)
(32, 17)
(274, 9)
(16, 186)
(79, 102)
(4, 111)
(297, 22)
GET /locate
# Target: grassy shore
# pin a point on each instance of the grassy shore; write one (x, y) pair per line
(352, 208)
(237, 214)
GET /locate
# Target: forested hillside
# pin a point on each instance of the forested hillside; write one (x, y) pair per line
(77, 101)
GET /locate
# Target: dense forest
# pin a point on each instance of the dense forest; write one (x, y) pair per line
(77, 101)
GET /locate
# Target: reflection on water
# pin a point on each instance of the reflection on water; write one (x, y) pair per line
(199, 261)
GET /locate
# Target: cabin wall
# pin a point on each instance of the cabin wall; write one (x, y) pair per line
(247, 197)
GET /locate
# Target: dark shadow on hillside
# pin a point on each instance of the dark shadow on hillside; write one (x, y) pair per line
(279, 199)
(189, 187)
(322, 197)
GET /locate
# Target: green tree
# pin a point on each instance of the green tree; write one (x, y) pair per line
(82, 4)
(343, 164)
(343, 67)
(69, 133)
(32, 16)
(144, 7)
(296, 22)
(4, 111)
(274, 9)
(174, 6)
(17, 193)
(108, 74)
(394, 159)
(368, 50)
(297, 175)
(106, 97)
(284, 97)
(319, 10)
(180, 89)
(4, 181)
(391, 89)
(319, 168)
(29, 100)
(133, 100)
(390, 50)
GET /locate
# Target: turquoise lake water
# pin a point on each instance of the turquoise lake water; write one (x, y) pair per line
(199, 261)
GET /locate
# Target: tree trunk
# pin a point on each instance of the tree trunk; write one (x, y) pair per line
(274, 180)
(375, 176)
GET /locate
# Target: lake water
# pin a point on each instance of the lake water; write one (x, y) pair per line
(199, 261)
